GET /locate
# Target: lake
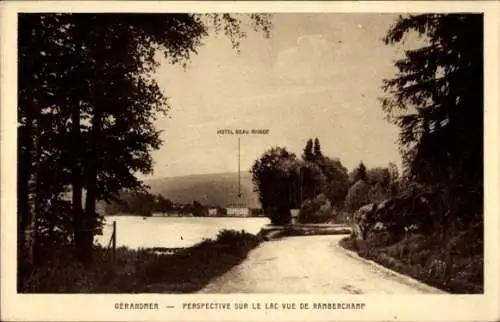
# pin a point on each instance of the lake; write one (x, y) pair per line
(136, 232)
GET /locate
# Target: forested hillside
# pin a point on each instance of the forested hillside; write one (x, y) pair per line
(217, 189)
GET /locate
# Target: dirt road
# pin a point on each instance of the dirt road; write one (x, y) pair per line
(312, 264)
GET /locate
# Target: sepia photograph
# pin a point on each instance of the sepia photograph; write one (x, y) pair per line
(332, 153)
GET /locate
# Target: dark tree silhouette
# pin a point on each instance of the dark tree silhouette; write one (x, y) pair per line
(163, 204)
(360, 173)
(87, 103)
(308, 154)
(199, 210)
(312, 180)
(273, 176)
(336, 180)
(436, 99)
(317, 149)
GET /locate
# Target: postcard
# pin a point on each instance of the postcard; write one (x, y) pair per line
(264, 161)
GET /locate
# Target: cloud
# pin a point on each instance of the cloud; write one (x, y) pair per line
(311, 59)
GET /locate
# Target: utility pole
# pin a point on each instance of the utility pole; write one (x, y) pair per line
(300, 182)
(239, 176)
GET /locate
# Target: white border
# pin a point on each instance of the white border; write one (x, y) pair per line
(387, 307)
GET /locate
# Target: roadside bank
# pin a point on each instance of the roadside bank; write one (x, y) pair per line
(454, 265)
(145, 270)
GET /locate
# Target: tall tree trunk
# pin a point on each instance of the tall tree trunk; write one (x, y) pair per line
(91, 183)
(78, 226)
(25, 150)
(80, 92)
(33, 224)
(91, 158)
(30, 209)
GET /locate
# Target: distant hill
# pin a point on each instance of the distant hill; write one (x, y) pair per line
(217, 189)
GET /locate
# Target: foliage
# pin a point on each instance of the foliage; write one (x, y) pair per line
(433, 218)
(234, 238)
(380, 183)
(357, 195)
(199, 210)
(273, 176)
(138, 203)
(364, 219)
(312, 180)
(337, 181)
(163, 204)
(308, 154)
(394, 179)
(256, 212)
(143, 270)
(54, 227)
(283, 180)
(317, 149)
(436, 99)
(86, 115)
(315, 211)
(359, 173)
(321, 174)
(453, 265)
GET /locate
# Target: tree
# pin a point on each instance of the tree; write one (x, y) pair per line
(311, 177)
(274, 176)
(321, 174)
(436, 99)
(336, 182)
(140, 203)
(313, 180)
(379, 179)
(199, 210)
(394, 179)
(86, 114)
(379, 175)
(316, 210)
(360, 173)
(358, 195)
(42, 126)
(372, 186)
(308, 154)
(163, 204)
(317, 149)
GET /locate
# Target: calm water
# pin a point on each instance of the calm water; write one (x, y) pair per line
(135, 232)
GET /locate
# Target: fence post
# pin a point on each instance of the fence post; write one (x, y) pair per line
(114, 239)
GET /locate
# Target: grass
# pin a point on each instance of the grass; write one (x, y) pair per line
(454, 265)
(145, 270)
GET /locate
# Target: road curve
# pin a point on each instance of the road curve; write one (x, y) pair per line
(311, 264)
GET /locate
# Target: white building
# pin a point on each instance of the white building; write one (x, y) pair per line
(238, 212)
(212, 212)
(295, 215)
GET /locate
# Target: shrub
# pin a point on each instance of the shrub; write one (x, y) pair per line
(364, 220)
(143, 270)
(233, 237)
(317, 210)
(357, 195)
(454, 265)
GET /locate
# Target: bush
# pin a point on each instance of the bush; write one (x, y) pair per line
(357, 195)
(318, 210)
(363, 219)
(454, 265)
(236, 239)
(143, 271)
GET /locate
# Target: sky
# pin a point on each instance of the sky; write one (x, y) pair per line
(317, 75)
